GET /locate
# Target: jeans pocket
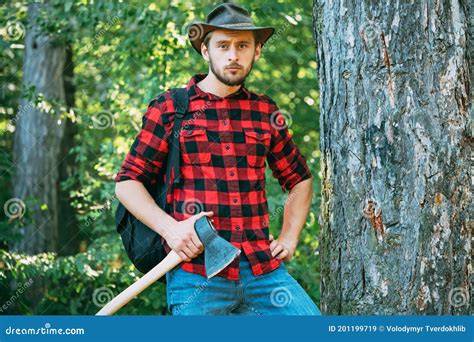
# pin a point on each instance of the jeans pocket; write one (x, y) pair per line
(185, 286)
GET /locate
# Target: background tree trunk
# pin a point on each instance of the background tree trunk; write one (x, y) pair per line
(395, 149)
(38, 138)
(69, 236)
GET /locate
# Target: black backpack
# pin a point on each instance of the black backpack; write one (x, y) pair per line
(143, 245)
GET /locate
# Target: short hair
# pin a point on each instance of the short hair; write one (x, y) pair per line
(207, 38)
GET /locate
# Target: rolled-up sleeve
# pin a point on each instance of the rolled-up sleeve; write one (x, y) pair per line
(149, 150)
(285, 160)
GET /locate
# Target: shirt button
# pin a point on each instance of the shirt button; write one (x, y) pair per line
(188, 132)
(227, 147)
(237, 227)
(225, 122)
(235, 200)
(232, 174)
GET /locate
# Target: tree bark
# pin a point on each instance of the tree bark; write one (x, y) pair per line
(69, 237)
(395, 149)
(38, 138)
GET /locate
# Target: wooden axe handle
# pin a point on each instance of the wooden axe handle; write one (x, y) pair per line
(167, 264)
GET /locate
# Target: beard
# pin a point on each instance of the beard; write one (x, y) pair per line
(230, 80)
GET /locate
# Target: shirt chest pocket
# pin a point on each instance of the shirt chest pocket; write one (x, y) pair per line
(194, 146)
(257, 146)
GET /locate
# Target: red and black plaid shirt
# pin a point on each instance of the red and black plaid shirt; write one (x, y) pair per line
(224, 143)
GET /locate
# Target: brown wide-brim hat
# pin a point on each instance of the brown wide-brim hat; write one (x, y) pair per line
(226, 16)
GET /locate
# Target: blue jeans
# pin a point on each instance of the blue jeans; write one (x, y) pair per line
(273, 293)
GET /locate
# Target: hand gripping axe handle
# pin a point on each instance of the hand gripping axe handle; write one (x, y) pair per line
(218, 253)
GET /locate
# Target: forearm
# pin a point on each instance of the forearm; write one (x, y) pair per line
(296, 211)
(134, 196)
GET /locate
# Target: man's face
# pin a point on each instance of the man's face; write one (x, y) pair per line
(231, 55)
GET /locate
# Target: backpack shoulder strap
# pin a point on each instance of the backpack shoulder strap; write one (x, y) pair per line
(180, 99)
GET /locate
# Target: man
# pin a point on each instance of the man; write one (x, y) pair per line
(225, 139)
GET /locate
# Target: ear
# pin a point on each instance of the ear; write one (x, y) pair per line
(258, 51)
(204, 52)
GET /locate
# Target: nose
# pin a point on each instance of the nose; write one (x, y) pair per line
(233, 54)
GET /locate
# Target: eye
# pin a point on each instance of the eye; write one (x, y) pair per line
(243, 45)
(222, 46)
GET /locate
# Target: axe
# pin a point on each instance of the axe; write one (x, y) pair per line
(218, 254)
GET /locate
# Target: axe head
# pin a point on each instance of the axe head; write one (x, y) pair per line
(218, 252)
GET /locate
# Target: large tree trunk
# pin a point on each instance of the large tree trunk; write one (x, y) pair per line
(395, 148)
(38, 138)
(69, 236)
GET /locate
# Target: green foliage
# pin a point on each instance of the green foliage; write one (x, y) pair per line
(124, 54)
(78, 285)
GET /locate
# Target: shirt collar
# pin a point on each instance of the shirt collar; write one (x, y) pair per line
(195, 92)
